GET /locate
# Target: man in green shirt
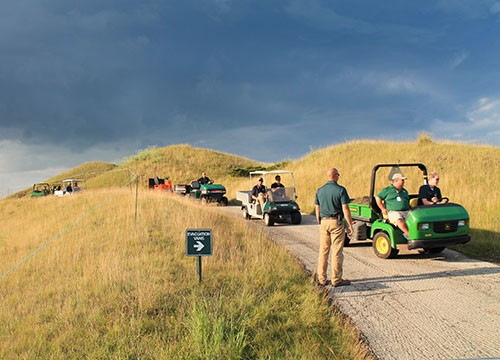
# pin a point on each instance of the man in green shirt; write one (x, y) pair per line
(332, 205)
(397, 202)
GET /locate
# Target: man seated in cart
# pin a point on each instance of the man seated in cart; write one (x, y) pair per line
(278, 189)
(204, 180)
(76, 188)
(259, 193)
(394, 202)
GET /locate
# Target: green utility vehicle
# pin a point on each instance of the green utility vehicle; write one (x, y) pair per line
(40, 189)
(432, 228)
(206, 193)
(280, 205)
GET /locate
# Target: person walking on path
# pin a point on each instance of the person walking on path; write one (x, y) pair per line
(332, 206)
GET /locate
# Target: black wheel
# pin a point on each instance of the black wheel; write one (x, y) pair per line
(245, 213)
(296, 218)
(382, 246)
(268, 219)
(347, 240)
(204, 200)
(435, 250)
(224, 201)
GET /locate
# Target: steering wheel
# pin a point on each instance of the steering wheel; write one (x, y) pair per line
(444, 200)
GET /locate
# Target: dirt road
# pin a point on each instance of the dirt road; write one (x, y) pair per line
(416, 306)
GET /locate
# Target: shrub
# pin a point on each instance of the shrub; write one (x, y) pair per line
(424, 138)
(245, 171)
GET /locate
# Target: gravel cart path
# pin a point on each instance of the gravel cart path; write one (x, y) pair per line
(416, 306)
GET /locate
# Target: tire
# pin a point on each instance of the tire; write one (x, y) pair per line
(382, 246)
(204, 200)
(245, 213)
(296, 218)
(268, 219)
(224, 201)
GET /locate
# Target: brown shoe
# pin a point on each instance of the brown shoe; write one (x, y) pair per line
(316, 281)
(342, 282)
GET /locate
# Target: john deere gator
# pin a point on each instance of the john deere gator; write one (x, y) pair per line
(431, 228)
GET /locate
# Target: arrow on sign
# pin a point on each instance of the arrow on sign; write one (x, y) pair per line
(198, 246)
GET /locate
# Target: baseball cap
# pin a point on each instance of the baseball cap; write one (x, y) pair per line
(398, 176)
(261, 179)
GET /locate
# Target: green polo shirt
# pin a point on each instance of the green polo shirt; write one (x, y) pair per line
(330, 198)
(390, 195)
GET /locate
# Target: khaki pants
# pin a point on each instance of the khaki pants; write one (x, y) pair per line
(332, 237)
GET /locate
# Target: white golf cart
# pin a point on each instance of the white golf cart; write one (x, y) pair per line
(280, 205)
(71, 186)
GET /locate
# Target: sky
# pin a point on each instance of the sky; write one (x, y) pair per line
(98, 80)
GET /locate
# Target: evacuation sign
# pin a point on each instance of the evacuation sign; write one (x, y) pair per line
(198, 242)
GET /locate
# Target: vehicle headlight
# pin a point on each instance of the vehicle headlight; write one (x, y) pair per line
(423, 226)
(461, 222)
(294, 207)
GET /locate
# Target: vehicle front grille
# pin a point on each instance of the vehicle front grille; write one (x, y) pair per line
(441, 227)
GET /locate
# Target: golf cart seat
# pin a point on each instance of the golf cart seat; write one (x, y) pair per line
(414, 202)
(195, 185)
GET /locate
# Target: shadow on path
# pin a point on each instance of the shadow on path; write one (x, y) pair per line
(376, 282)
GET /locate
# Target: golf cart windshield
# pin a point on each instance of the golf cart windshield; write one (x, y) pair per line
(284, 194)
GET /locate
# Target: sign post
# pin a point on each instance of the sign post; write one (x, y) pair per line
(199, 243)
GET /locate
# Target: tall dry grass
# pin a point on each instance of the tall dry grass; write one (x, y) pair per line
(108, 288)
(470, 176)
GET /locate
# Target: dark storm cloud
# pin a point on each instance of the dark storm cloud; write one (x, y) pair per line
(90, 75)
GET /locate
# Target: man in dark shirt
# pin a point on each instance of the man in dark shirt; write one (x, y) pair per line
(204, 180)
(277, 188)
(259, 192)
(430, 194)
(331, 207)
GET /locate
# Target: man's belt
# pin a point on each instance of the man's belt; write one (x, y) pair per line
(339, 217)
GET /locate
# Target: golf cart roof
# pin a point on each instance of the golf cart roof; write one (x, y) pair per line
(270, 172)
(74, 180)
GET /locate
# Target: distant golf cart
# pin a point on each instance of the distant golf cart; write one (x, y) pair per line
(208, 193)
(280, 205)
(71, 186)
(40, 189)
(432, 228)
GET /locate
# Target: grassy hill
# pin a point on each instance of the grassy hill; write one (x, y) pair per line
(181, 163)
